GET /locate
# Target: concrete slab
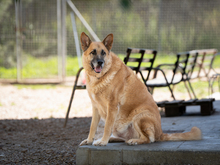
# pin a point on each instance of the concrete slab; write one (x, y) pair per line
(205, 151)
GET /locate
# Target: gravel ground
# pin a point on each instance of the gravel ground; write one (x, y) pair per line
(31, 124)
(42, 141)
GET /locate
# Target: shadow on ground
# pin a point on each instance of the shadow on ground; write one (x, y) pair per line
(41, 141)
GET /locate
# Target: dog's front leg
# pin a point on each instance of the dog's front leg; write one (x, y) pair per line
(110, 120)
(93, 127)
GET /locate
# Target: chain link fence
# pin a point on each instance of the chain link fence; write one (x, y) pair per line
(169, 26)
(28, 39)
(165, 25)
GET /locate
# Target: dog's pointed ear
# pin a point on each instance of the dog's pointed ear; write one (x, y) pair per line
(85, 41)
(108, 41)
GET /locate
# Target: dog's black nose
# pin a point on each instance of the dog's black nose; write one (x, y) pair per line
(100, 62)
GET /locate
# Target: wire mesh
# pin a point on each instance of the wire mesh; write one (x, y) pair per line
(37, 38)
(7, 37)
(167, 26)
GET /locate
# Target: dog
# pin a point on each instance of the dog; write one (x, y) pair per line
(121, 100)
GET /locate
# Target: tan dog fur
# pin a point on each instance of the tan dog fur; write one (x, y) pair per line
(122, 100)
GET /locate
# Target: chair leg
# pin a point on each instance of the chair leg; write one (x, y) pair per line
(173, 87)
(71, 98)
(151, 90)
(187, 90)
(171, 91)
(192, 89)
(214, 78)
(209, 89)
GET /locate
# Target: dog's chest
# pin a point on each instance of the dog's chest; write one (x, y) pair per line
(100, 103)
(99, 98)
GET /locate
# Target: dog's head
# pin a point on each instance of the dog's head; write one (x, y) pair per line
(96, 56)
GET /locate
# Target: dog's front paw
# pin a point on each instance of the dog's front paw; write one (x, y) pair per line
(86, 142)
(132, 142)
(100, 143)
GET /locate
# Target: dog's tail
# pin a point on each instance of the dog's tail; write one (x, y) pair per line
(194, 134)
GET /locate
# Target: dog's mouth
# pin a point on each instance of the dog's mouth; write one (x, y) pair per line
(97, 69)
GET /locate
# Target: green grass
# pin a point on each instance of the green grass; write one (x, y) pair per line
(36, 118)
(8, 73)
(72, 66)
(200, 88)
(35, 87)
(48, 67)
(180, 92)
(33, 68)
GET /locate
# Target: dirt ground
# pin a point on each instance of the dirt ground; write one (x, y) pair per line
(31, 124)
(44, 141)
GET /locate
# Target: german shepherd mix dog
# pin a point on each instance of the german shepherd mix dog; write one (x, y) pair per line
(121, 99)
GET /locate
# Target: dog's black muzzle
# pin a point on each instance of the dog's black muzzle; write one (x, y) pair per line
(97, 65)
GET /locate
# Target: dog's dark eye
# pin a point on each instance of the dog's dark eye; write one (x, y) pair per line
(103, 52)
(93, 52)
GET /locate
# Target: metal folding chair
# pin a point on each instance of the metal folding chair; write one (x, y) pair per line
(73, 92)
(184, 65)
(141, 60)
(204, 63)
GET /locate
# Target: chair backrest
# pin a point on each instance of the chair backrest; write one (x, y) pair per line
(193, 55)
(140, 60)
(204, 61)
(185, 63)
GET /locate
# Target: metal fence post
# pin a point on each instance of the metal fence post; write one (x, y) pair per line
(18, 38)
(59, 39)
(63, 24)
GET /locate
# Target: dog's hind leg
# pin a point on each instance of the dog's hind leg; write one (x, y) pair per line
(145, 130)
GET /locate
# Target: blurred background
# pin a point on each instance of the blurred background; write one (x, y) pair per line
(37, 41)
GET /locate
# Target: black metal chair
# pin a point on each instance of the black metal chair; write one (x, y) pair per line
(140, 60)
(184, 65)
(204, 63)
(76, 86)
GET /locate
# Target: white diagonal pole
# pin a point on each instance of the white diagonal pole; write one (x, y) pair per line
(76, 39)
(76, 11)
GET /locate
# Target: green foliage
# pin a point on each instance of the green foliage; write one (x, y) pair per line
(216, 62)
(39, 67)
(13, 104)
(142, 24)
(35, 87)
(47, 67)
(72, 66)
(8, 73)
(33, 68)
(36, 118)
(7, 34)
